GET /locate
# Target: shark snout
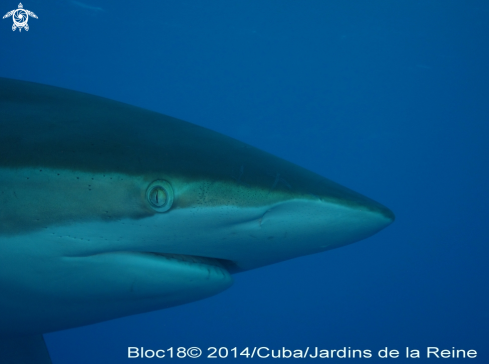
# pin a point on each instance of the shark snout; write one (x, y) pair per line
(320, 225)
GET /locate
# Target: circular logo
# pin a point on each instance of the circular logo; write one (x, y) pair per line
(20, 18)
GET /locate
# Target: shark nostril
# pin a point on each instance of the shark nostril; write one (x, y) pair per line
(260, 220)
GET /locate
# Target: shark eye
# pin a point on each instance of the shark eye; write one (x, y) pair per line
(160, 195)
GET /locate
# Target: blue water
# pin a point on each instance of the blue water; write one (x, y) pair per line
(389, 98)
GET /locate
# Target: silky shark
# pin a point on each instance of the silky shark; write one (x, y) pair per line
(108, 210)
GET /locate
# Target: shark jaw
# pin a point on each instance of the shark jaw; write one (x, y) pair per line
(81, 267)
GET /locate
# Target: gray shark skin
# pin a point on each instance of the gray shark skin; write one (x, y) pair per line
(108, 210)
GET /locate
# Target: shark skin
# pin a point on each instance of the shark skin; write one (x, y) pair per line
(108, 210)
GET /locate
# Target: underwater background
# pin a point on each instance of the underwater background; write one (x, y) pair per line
(388, 98)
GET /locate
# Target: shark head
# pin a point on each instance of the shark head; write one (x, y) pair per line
(109, 210)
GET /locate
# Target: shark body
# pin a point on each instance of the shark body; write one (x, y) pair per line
(108, 210)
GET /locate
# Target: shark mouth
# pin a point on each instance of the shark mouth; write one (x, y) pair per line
(229, 265)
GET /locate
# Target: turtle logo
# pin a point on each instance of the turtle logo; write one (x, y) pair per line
(20, 16)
